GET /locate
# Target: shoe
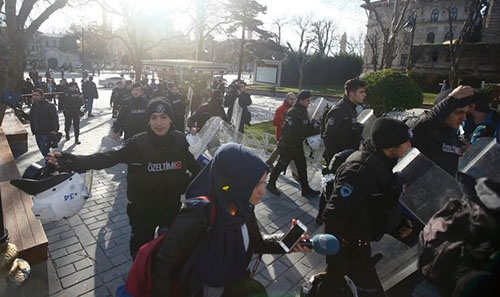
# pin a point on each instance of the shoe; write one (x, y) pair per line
(90, 116)
(310, 193)
(67, 135)
(273, 190)
(295, 176)
(77, 142)
(319, 220)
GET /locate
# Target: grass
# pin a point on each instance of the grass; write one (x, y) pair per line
(262, 127)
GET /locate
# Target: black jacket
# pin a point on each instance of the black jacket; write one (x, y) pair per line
(436, 140)
(43, 118)
(157, 169)
(340, 132)
(132, 117)
(212, 108)
(72, 100)
(296, 127)
(89, 90)
(244, 101)
(189, 228)
(364, 201)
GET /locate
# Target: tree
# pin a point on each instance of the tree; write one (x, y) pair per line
(389, 25)
(143, 29)
(279, 23)
(300, 55)
(244, 14)
(373, 41)
(323, 36)
(22, 20)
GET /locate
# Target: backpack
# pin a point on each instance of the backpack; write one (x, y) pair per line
(460, 245)
(139, 280)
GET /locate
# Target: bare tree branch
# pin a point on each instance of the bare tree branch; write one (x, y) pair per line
(33, 27)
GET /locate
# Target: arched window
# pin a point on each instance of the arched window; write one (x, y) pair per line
(430, 37)
(453, 13)
(448, 36)
(435, 15)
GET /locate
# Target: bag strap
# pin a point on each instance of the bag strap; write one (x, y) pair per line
(189, 263)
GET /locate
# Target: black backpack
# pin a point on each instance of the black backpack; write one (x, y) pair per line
(460, 245)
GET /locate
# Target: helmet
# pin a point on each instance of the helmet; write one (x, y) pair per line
(315, 142)
(63, 200)
(58, 196)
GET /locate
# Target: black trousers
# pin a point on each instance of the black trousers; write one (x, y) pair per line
(287, 154)
(72, 116)
(144, 221)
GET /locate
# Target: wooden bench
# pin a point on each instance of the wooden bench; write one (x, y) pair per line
(25, 230)
(16, 133)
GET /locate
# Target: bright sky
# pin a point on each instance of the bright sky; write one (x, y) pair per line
(347, 14)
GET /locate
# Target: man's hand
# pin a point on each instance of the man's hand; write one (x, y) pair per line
(462, 92)
(51, 159)
(193, 131)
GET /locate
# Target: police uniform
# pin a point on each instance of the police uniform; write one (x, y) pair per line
(436, 140)
(295, 129)
(159, 170)
(364, 206)
(341, 130)
(132, 118)
(72, 104)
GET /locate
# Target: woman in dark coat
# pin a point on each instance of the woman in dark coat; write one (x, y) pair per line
(235, 181)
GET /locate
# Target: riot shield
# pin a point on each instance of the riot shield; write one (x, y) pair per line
(482, 159)
(187, 112)
(236, 115)
(428, 187)
(367, 118)
(314, 155)
(317, 108)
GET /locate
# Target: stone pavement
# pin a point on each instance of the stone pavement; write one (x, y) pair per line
(89, 253)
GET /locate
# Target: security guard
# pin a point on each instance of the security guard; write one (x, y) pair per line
(435, 131)
(73, 100)
(296, 128)
(132, 117)
(364, 205)
(160, 167)
(341, 130)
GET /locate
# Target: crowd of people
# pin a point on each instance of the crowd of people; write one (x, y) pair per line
(359, 206)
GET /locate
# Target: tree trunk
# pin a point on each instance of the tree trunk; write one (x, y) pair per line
(301, 76)
(389, 54)
(137, 64)
(241, 51)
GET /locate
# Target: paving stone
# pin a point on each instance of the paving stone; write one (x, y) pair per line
(84, 263)
(62, 243)
(74, 248)
(66, 270)
(69, 259)
(78, 277)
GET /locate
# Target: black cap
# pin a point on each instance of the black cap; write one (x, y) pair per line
(159, 105)
(387, 133)
(304, 94)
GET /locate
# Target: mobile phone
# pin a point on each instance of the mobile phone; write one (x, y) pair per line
(292, 237)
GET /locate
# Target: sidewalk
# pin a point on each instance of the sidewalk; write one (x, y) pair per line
(89, 253)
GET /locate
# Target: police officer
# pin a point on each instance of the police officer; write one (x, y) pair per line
(364, 205)
(160, 167)
(73, 100)
(296, 128)
(132, 118)
(341, 130)
(435, 132)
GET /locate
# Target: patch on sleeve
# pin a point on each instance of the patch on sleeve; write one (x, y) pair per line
(289, 122)
(346, 190)
(330, 122)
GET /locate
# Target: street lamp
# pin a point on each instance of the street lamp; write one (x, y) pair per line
(409, 27)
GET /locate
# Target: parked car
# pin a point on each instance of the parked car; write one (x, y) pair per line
(110, 82)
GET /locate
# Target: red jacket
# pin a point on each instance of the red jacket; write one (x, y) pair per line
(279, 118)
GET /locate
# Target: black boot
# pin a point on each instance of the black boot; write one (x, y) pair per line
(67, 135)
(309, 193)
(272, 188)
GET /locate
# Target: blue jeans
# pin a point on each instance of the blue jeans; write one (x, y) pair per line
(89, 104)
(43, 142)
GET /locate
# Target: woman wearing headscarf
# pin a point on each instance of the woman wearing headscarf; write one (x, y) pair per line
(234, 181)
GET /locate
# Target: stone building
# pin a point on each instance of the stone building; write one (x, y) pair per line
(427, 38)
(43, 49)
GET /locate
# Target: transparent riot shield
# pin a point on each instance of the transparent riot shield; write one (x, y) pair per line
(428, 187)
(482, 159)
(367, 118)
(216, 132)
(313, 151)
(236, 115)
(317, 108)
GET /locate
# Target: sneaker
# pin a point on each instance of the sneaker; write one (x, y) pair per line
(273, 190)
(310, 193)
(67, 135)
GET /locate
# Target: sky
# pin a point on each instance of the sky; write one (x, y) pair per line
(347, 14)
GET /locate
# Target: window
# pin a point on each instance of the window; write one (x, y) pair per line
(430, 37)
(453, 13)
(435, 15)
(434, 56)
(404, 60)
(448, 36)
(54, 43)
